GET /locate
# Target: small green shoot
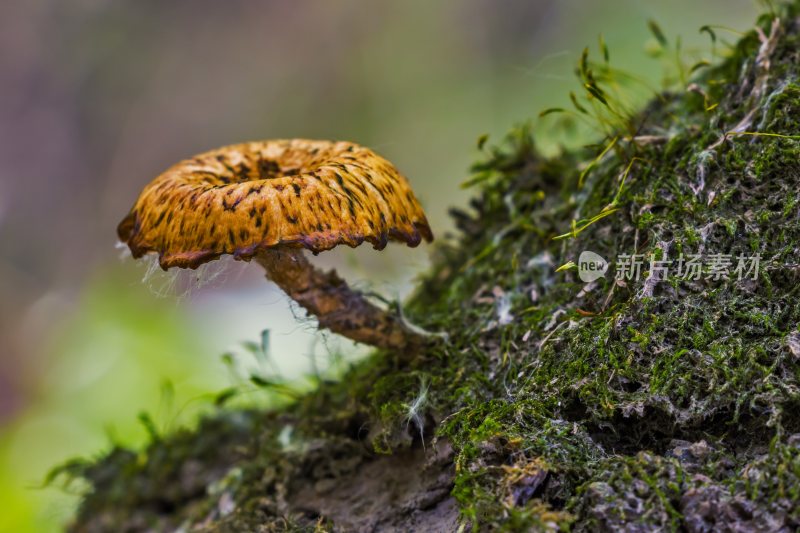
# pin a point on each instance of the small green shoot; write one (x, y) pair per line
(615, 201)
(709, 29)
(764, 134)
(274, 385)
(596, 161)
(552, 110)
(223, 396)
(601, 42)
(655, 29)
(577, 105)
(567, 266)
(576, 229)
(149, 425)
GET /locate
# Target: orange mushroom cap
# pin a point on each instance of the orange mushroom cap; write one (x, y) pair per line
(247, 197)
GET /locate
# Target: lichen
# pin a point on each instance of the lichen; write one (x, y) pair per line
(670, 404)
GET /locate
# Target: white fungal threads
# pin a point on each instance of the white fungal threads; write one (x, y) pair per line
(160, 283)
(124, 251)
(415, 410)
(182, 283)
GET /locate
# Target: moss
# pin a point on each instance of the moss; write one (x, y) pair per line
(670, 404)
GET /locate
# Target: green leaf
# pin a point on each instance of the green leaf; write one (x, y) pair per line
(147, 421)
(603, 48)
(584, 65)
(566, 266)
(225, 395)
(707, 29)
(551, 110)
(258, 381)
(577, 105)
(697, 66)
(598, 93)
(655, 29)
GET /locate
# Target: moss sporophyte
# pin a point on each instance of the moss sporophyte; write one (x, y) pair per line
(270, 200)
(613, 405)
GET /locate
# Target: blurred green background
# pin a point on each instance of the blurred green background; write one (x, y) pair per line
(99, 96)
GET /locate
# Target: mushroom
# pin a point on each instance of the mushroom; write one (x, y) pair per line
(270, 200)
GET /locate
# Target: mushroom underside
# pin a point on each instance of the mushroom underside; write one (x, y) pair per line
(317, 242)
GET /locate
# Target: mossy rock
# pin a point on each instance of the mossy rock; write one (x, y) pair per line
(635, 405)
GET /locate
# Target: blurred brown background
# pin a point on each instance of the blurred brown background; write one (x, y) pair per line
(99, 96)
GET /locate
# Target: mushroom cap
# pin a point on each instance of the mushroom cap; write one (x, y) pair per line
(254, 196)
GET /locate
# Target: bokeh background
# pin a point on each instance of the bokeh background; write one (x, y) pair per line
(99, 96)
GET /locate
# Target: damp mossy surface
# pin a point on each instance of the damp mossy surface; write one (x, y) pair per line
(658, 403)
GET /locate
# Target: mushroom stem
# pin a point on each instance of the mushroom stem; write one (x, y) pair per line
(336, 306)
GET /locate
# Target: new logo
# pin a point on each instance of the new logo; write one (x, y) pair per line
(591, 266)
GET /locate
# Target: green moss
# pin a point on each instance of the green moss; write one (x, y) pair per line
(594, 406)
